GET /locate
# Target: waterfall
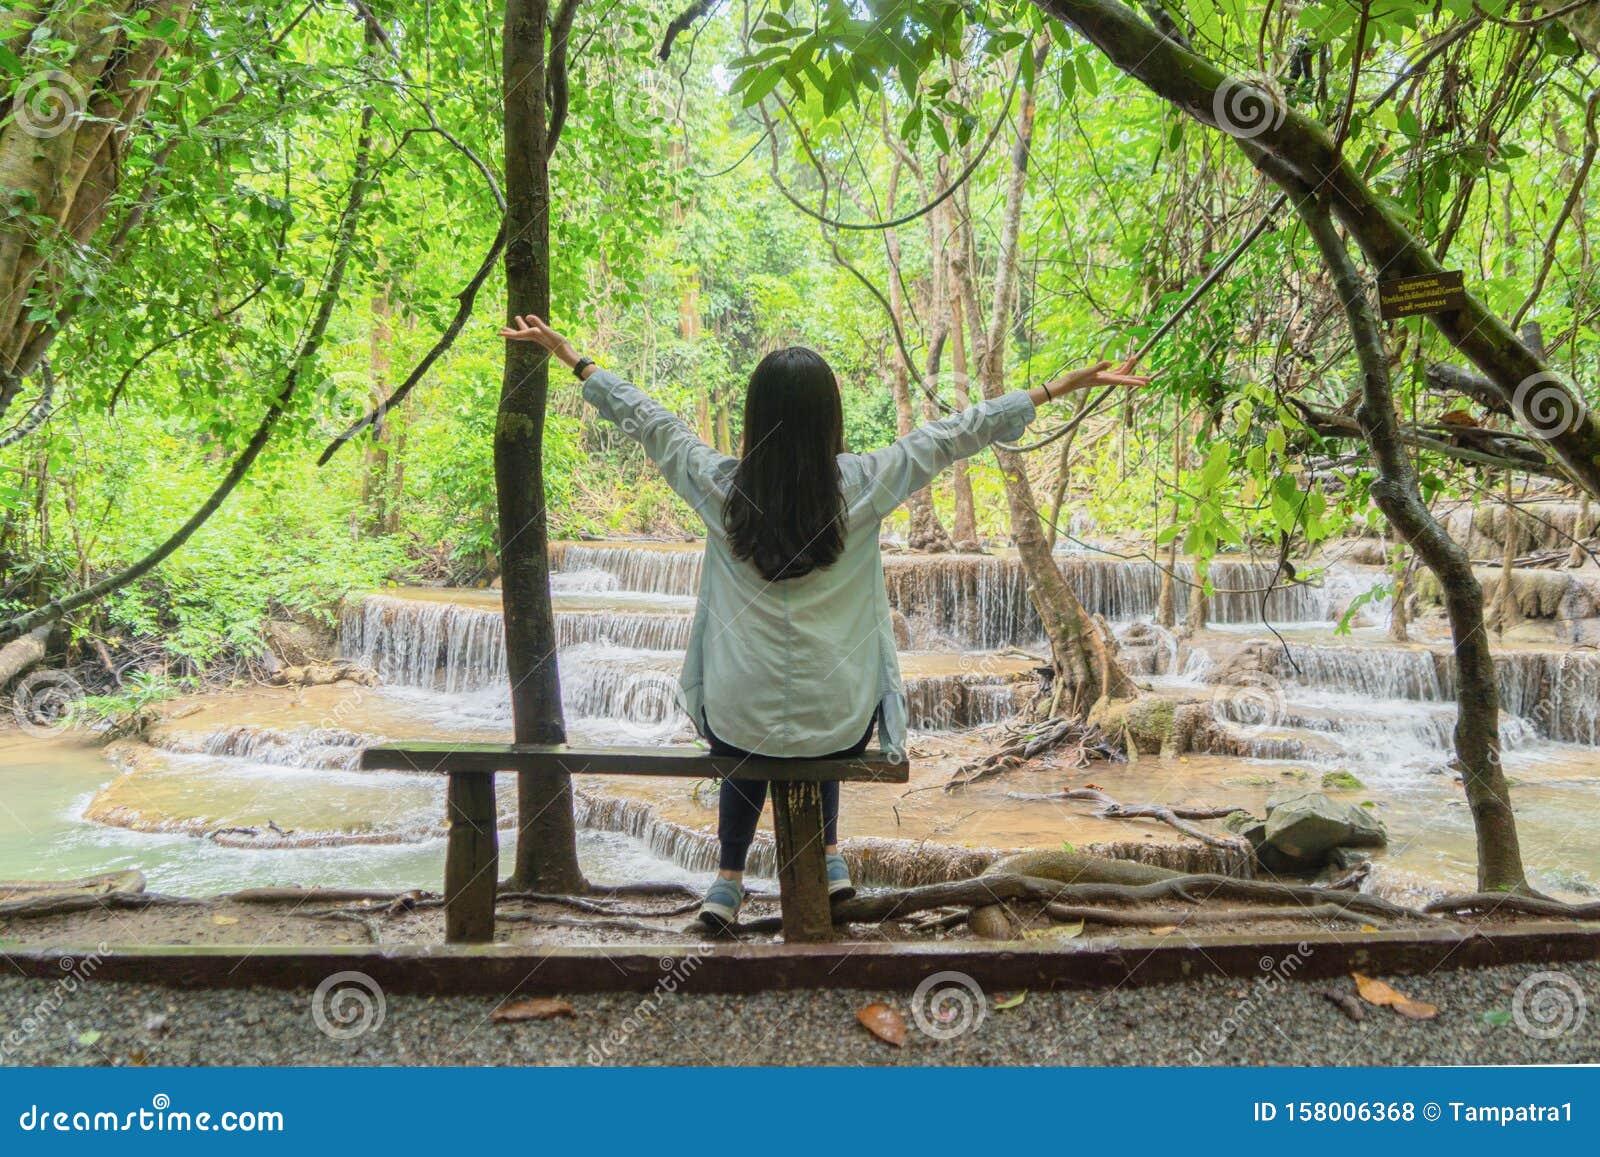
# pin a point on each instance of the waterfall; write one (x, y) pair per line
(640, 631)
(1552, 694)
(980, 602)
(445, 646)
(324, 747)
(636, 568)
(953, 702)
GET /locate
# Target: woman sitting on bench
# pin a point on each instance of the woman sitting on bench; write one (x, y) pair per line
(792, 652)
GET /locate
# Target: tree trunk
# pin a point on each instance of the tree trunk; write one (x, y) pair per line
(965, 529)
(1396, 492)
(378, 498)
(1083, 657)
(547, 855)
(1505, 604)
(924, 531)
(62, 155)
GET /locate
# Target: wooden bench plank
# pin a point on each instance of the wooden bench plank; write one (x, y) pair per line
(689, 762)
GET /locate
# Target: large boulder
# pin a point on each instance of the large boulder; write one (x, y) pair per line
(1304, 827)
(1305, 831)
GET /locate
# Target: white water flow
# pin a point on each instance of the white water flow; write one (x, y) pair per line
(263, 787)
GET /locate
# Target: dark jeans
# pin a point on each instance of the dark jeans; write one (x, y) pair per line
(740, 803)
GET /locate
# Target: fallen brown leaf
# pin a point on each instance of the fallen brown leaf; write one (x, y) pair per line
(533, 1008)
(1163, 929)
(1377, 992)
(884, 1023)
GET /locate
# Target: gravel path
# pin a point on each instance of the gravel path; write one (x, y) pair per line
(1243, 1022)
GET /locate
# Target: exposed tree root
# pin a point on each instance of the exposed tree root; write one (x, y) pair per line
(608, 923)
(597, 907)
(986, 890)
(320, 895)
(1490, 902)
(59, 905)
(648, 888)
(1173, 817)
(1163, 917)
(1072, 743)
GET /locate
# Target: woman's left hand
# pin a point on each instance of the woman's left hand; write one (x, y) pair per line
(1100, 374)
(532, 327)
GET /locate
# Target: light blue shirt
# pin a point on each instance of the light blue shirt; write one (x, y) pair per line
(797, 667)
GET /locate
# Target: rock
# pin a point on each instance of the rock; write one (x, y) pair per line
(902, 630)
(1245, 825)
(1304, 827)
(323, 674)
(1341, 781)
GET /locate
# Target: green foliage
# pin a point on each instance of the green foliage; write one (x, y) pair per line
(679, 258)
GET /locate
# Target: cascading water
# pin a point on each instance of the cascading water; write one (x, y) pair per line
(622, 617)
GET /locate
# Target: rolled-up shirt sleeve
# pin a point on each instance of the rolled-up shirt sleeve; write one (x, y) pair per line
(688, 465)
(900, 470)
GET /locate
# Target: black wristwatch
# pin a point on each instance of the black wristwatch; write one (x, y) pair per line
(579, 366)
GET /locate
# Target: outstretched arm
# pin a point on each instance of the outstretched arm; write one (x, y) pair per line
(689, 466)
(898, 471)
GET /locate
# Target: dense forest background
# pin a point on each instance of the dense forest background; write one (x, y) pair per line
(708, 207)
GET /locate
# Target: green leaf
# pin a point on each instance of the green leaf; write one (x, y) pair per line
(1001, 1003)
(765, 81)
(1086, 76)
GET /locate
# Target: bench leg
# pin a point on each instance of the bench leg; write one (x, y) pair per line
(471, 860)
(802, 870)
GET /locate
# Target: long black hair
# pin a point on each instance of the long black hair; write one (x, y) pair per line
(785, 512)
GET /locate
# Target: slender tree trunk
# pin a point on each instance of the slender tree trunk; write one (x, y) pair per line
(1397, 494)
(1166, 601)
(377, 497)
(547, 856)
(924, 531)
(1084, 658)
(1505, 605)
(62, 155)
(965, 528)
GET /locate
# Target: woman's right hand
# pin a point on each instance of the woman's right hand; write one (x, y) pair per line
(532, 327)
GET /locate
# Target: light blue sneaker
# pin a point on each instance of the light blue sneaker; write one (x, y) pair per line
(839, 885)
(719, 910)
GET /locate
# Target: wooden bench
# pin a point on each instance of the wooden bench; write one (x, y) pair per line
(472, 852)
